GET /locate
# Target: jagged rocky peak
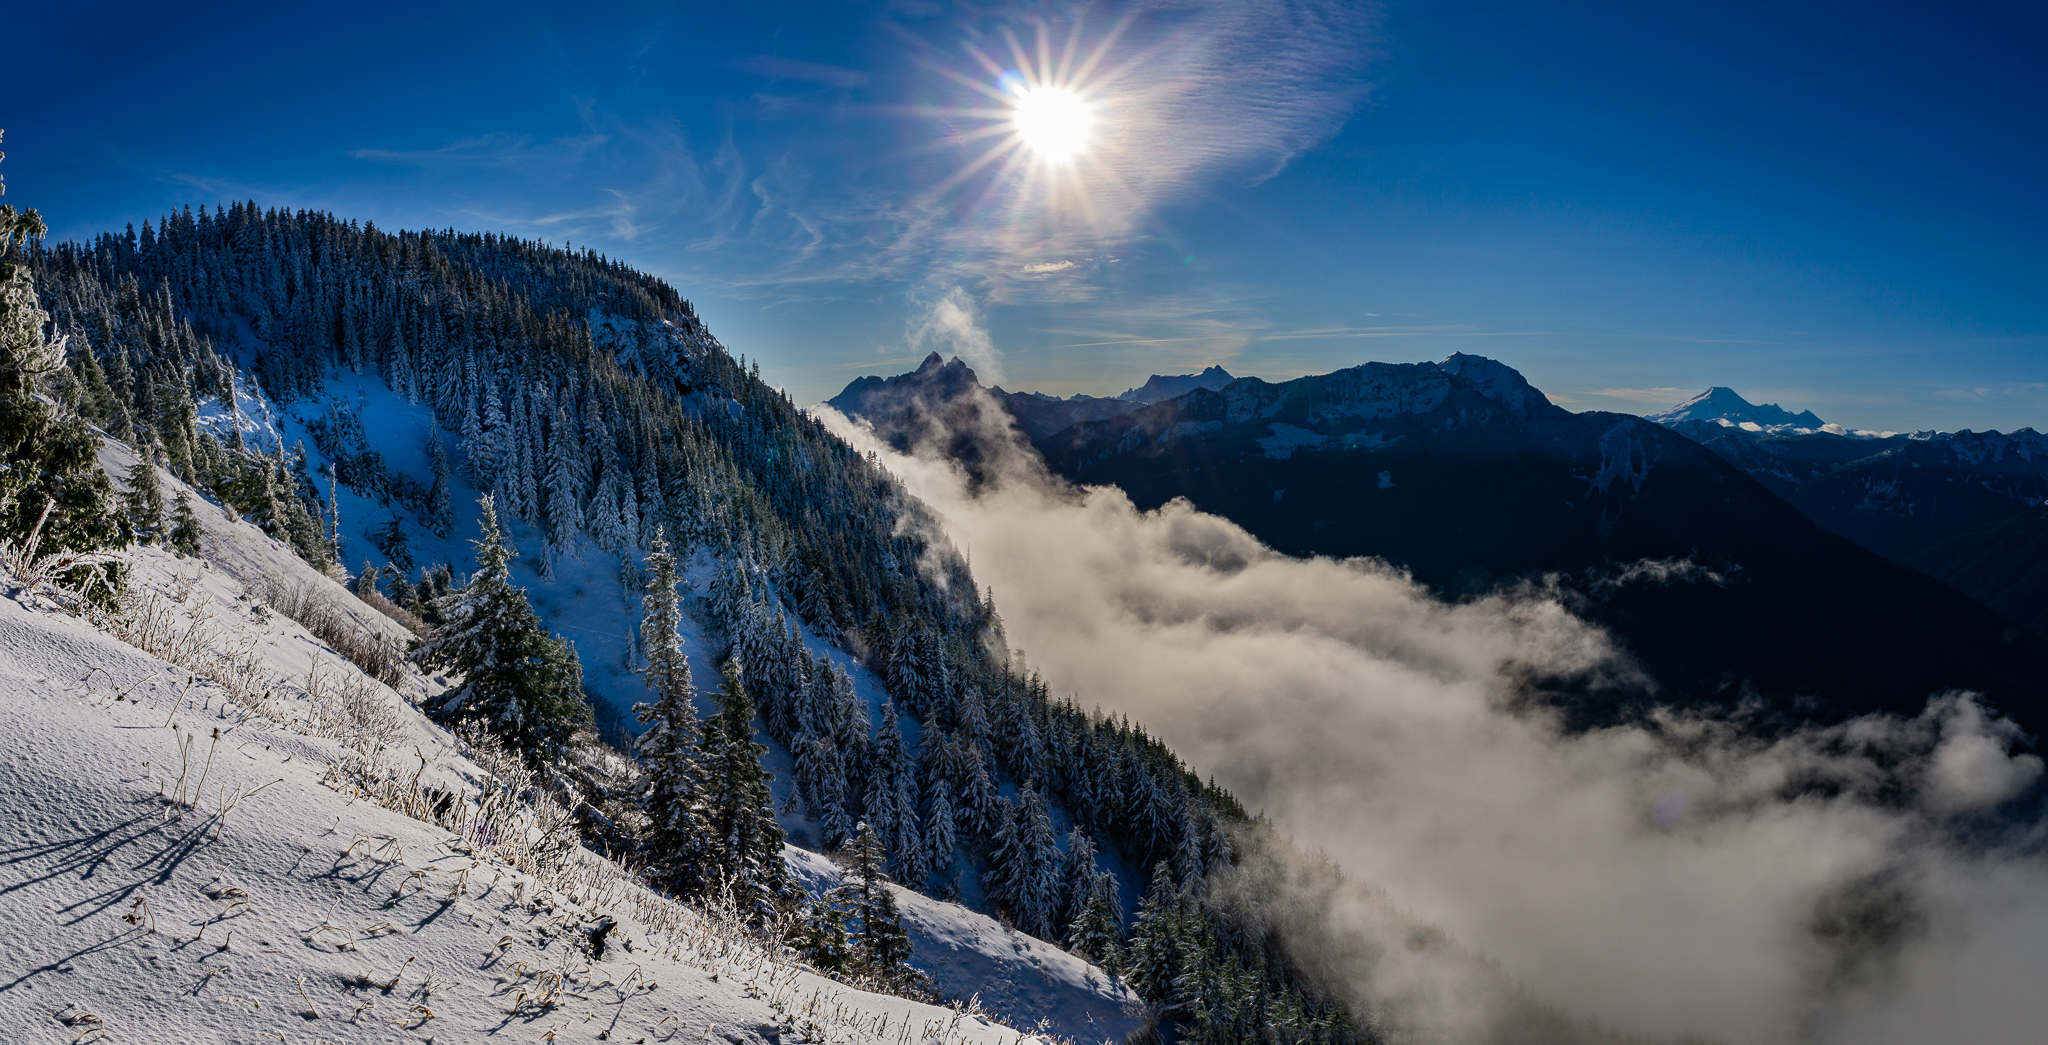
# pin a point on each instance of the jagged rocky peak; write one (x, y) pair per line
(1160, 387)
(935, 378)
(1720, 403)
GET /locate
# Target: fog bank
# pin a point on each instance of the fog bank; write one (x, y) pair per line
(1669, 879)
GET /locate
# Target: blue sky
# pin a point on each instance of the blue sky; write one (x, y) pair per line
(1833, 206)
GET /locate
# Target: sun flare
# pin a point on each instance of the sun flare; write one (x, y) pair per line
(1053, 122)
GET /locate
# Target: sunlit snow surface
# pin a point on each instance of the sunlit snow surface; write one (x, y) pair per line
(85, 834)
(89, 844)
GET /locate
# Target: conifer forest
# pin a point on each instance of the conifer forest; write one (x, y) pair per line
(592, 404)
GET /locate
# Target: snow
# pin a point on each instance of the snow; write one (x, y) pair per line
(1158, 388)
(304, 914)
(1722, 403)
(249, 413)
(1286, 439)
(1029, 982)
(1625, 455)
(1494, 379)
(83, 772)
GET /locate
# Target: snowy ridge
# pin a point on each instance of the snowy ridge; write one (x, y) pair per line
(1020, 978)
(353, 922)
(1159, 387)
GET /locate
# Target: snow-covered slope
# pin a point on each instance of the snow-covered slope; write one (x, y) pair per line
(269, 905)
(1021, 978)
(353, 922)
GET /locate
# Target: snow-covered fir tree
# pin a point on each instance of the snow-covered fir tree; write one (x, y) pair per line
(743, 843)
(144, 500)
(1033, 868)
(1077, 877)
(879, 938)
(440, 507)
(521, 682)
(1096, 932)
(677, 831)
(185, 529)
(891, 806)
(1151, 958)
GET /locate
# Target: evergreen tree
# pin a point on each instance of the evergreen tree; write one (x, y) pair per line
(882, 943)
(185, 528)
(1034, 869)
(1000, 882)
(144, 500)
(440, 510)
(1077, 876)
(1150, 963)
(392, 541)
(668, 747)
(744, 843)
(49, 467)
(404, 593)
(824, 937)
(564, 483)
(980, 804)
(940, 838)
(522, 682)
(822, 778)
(889, 764)
(1098, 926)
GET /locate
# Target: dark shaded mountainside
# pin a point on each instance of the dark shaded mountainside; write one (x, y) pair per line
(1470, 478)
(1945, 502)
(933, 401)
(2004, 564)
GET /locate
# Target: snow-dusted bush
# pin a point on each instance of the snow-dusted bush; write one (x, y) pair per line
(348, 707)
(313, 606)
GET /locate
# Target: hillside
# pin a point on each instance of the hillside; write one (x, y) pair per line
(219, 847)
(1918, 498)
(351, 393)
(2005, 564)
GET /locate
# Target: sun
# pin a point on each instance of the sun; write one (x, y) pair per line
(1053, 122)
(1055, 106)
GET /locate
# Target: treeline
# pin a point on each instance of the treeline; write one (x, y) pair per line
(592, 404)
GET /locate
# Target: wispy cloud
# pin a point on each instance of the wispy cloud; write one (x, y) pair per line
(951, 321)
(1657, 396)
(778, 68)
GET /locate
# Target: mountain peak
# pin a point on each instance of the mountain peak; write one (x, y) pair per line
(931, 362)
(1494, 379)
(1160, 387)
(1721, 403)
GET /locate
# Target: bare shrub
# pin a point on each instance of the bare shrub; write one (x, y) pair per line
(150, 621)
(315, 609)
(509, 816)
(406, 619)
(346, 706)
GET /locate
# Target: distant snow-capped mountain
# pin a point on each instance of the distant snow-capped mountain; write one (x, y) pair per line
(1720, 403)
(1158, 387)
